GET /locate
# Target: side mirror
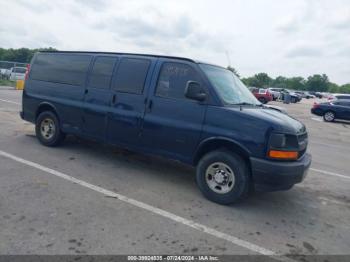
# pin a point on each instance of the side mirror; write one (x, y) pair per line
(195, 91)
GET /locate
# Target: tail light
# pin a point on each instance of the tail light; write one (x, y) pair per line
(316, 105)
(27, 72)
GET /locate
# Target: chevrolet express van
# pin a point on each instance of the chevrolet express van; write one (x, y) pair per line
(178, 108)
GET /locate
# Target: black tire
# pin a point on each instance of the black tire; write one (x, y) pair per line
(262, 100)
(329, 116)
(241, 174)
(56, 137)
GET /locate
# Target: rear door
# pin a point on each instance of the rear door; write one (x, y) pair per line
(173, 123)
(128, 97)
(97, 97)
(343, 109)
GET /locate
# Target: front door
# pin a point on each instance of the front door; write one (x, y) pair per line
(97, 97)
(129, 91)
(173, 123)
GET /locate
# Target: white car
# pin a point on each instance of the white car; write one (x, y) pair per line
(275, 92)
(339, 96)
(5, 73)
(18, 73)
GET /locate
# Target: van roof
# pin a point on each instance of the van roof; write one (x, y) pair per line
(116, 53)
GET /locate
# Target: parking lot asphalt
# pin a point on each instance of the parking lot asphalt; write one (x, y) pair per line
(87, 198)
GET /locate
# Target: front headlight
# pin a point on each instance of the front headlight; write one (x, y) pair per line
(283, 147)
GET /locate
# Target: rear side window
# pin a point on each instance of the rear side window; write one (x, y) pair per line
(102, 71)
(173, 79)
(343, 97)
(19, 70)
(131, 75)
(343, 103)
(61, 68)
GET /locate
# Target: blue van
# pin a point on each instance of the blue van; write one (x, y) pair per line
(178, 108)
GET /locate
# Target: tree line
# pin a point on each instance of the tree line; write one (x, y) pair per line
(317, 82)
(320, 83)
(20, 55)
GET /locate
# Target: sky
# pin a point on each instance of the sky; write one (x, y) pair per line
(288, 37)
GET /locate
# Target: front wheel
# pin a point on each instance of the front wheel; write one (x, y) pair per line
(223, 177)
(48, 130)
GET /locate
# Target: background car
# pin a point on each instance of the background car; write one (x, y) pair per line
(18, 73)
(275, 92)
(316, 94)
(5, 73)
(305, 94)
(262, 94)
(339, 96)
(294, 97)
(336, 109)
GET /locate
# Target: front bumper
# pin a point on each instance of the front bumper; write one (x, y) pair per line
(274, 176)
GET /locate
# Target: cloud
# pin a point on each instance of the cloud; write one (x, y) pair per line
(138, 27)
(35, 6)
(341, 21)
(289, 25)
(96, 5)
(165, 33)
(305, 51)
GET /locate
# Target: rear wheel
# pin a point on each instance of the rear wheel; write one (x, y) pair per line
(329, 116)
(47, 129)
(262, 100)
(223, 177)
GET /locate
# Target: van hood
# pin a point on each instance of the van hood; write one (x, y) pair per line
(279, 121)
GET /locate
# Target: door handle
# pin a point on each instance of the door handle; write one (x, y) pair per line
(114, 99)
(149, 107)
(86, 91)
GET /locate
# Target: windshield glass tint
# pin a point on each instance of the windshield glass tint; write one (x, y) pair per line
(230, 89)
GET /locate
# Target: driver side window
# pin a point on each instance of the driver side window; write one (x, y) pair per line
(173, 78)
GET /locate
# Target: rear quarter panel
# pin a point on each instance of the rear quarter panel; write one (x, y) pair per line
(66, 99)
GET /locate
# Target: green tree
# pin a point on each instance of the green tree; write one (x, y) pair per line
(317, 83)
(262, 80)
(296, 83)
(22, 55)
(333, 88)
(345, 89)
(280, 82)
(258, 80)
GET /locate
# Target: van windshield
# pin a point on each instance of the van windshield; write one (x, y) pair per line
(230, 89)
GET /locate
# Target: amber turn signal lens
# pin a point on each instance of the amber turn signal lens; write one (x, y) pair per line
(283, 154)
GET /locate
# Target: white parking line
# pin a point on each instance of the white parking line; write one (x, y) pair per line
(317, 119)
(190, 223)
(329, 173)
(11, 102)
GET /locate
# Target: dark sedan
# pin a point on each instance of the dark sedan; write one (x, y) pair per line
(338, 109)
